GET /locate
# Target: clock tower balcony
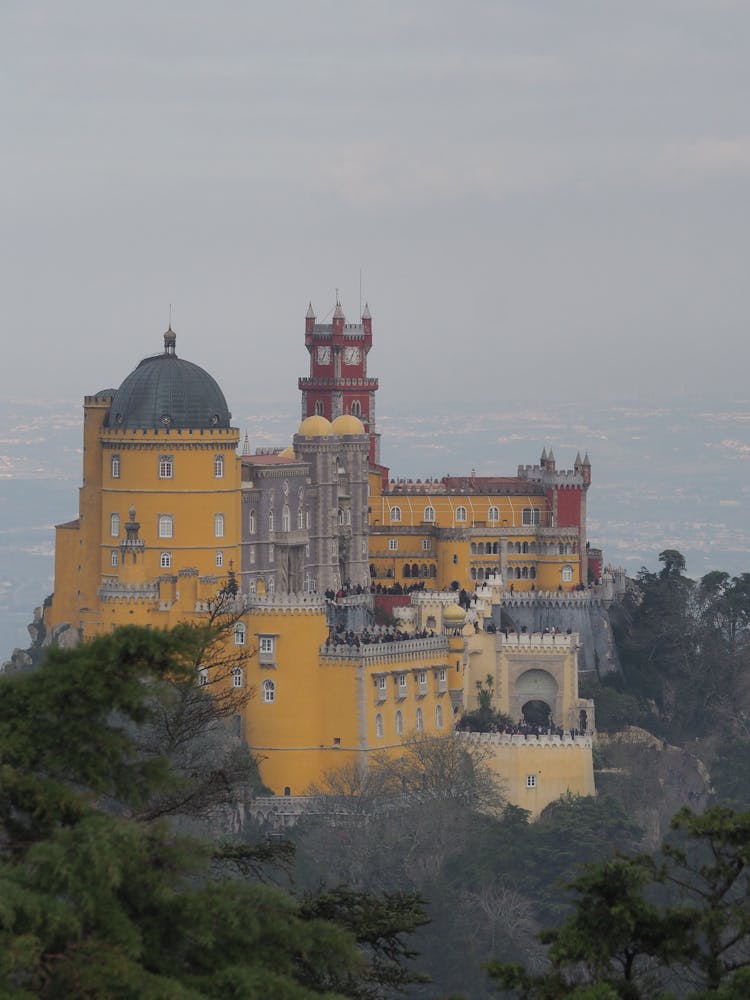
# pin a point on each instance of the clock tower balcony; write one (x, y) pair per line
(321, 381)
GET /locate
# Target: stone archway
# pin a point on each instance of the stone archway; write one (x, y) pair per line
(537, 691)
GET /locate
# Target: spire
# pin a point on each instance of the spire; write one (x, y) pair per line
(366, 313)
(551, 456)
(586, 460)
(543, 459)
(577, 460)
(246, 445)
(310, 312)
(338, 312)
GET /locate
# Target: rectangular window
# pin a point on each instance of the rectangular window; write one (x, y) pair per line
(393, 544)
(166, 526)
(270, 553)
(422, 681)
(531, 781)
(442, 683)
(166, 467)
(115, 467)
(266, 650)
(532, 515)
(252, 553)
(426, 544)
(219, 467)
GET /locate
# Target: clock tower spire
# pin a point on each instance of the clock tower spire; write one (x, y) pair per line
(338, 381)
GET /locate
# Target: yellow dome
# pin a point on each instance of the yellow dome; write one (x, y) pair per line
(315, 426)
(287, 453)
(454, 615)
(347, 423)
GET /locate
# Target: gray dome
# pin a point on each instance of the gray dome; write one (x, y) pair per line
(165, 391)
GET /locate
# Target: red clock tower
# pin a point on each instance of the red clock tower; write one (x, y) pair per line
(338, 381)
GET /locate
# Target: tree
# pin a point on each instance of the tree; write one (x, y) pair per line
(628, 937)
(485, 718)
(95, 900)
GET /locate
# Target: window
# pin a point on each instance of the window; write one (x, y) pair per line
(392, 544)
(114, 557)
(114, 467)
(202, 677)
(166, 526)
(419, 721)
(429, 514)
(165, 560)
(441, 679)
(270, 553)
(382, 688)
(532, 515)
(219, 467)
(218, 525)
(379, 729)
(266, 644)
(438, 717)
(300, 519)
(238, 677)
(286, 519)
(114, 525)
(531, 781)
(319, 407)
(267, 647)
(422, 681)
(493, 514)
(395, 514)
(252, 553)
(166, 467)
(269, 692)
(251, 522)
(402, 685)
(460, 513)
(240, 633)
(219, 558)
(270, 520)
(567, 574)
(426, 544)
(399, 724)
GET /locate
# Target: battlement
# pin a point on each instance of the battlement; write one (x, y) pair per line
(378, 651)
(115, 590)
(561, 477)
(537, 641)
(529, 741)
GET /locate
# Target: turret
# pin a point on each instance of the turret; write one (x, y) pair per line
(309, 324)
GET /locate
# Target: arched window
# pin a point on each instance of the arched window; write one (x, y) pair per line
(286, 519)
(114, 557)
(419, 721)
(218, 525)
(429, 514)
(240, 634)
(480, 573)
(115, 467)
(219, 559)
(460, 513)
(532, 573)
(561, 549)
(473, 572)
(238, 677)
(493, 514)
(114, 525)
(379, 728)
(395, 514)
(525, 547)
(518, 572)
(438, 717)
(433, 571)
(567, 574)
(165, 560)
(202, 677)
(300, 519)
(423, 570)
(473, 548)
(399, 724)
(414, 570)
(166, 526)
(341, 516)
(356, 408)
(219, 467)
(166, 467)
(269, 692)
(251, 522)
(406, 571)
(319, 407)
(525, 573)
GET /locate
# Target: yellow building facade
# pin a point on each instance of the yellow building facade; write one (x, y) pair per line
(169, 512)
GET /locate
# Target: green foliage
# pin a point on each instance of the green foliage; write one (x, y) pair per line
(98, 901)
(485, 718)
(641, 927)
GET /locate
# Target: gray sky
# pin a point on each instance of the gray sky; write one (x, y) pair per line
(545, 197)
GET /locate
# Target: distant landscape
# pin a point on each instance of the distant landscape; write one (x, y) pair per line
(672, 476)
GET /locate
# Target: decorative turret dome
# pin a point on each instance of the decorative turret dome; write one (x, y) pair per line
(315, 426)
(347, 423)
(165, 391)
(288, 453)
(454, 615)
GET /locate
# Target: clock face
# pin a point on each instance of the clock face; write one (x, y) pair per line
(324, 355)
(351, 356)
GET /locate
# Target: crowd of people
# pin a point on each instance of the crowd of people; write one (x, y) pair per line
(339, 636)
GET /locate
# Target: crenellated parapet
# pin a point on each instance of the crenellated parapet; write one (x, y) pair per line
(529, 741)
(537, 642)
(381, 652)
(115, 590)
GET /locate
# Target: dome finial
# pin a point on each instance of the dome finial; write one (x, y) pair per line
(170, 338)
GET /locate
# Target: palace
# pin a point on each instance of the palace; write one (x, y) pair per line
(315, 537)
